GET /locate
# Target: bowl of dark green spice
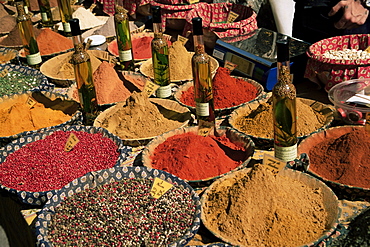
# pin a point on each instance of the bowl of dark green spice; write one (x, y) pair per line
(121, 206)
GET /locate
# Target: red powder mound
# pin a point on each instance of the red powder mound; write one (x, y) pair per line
(194, 157)
(51, 42)
(345, 160)
(227, 91)
(109, 87)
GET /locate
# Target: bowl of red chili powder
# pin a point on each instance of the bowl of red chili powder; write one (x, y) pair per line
(229, 92)
(34, 167)
(121, 206)
(340, 156)
(197, 158)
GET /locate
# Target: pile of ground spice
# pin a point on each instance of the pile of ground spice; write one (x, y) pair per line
(7, 23)
(50, 42)
(13, 39)
(87, 18)
(138, 118)
(16, 116)
(193, 157)
(260, 122)
(344, 159)
(109, 87)
(261, 209)
(228, 91)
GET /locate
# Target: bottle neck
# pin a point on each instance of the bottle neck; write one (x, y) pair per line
(198, 44)
(283, 69)
(77, 40)
(21, 10)
(157, 29)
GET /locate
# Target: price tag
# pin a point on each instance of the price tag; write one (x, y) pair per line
(3, 73)
(193, 1)
(182, 39)
(205, 127)
(71, 142)
(232, 17)
(229, 65)
(272, 163)
(150, 87)
(31, 102)
(159, 188)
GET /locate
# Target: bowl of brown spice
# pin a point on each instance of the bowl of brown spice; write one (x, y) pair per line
(255, 119)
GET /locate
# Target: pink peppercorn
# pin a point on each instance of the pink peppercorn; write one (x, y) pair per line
(43, 165)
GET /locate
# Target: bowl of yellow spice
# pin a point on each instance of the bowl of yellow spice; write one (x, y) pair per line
(256, 119)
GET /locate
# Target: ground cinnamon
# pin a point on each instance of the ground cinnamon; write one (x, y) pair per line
(50, 42)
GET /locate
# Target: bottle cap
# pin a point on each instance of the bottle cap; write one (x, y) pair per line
(197, 26)
(156, 12)
(75, 26)
(282, 46)
(96, 39)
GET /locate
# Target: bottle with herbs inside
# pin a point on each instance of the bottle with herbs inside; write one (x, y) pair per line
(65, 11)
(28, 37)
(284, 106)
(123, 35)
(46, 15)
(203, 91)
(160, 56)
(83, 74)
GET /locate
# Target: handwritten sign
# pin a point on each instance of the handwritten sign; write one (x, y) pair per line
(150, 87)
(232, 17)
(272, 163)
(205, 127)
(31, 102)
(71, 142)
(229, 65)
(182, 39)
(159, 188)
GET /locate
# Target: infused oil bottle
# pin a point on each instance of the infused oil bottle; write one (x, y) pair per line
(83, 75)
(201, 69)
(28, 37)
(284, 107)
(121, 22)
(65, 14)
(160, 57)
(46, 15)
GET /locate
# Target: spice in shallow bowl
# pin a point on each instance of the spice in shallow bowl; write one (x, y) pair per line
(229, 92)
(35, 166)
(199, 159)
(257, 207)
(121, 206)
(32, 111)
(139, 119)
(255, 120)
(337, 156)
(17, 79)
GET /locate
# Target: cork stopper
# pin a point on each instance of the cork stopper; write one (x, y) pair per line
(75, 26)
(282, 46)
(156, 12)
(197, 26)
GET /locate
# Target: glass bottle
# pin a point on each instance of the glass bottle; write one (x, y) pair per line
(160, 57)
(83, 74)
(27, 7)
(284, 106)
(46, 15)
(201, 67)
(65, 11)
(121, 23)
(28, 37)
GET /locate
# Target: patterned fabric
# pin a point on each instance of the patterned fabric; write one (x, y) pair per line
(130, 5)
(214, 18)
(337, 70)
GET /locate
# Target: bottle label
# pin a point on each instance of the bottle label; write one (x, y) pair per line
(164, 92)
(66, 27)
(34, 59)
(286, 153)
(125, 55)
(44, 17)
(202, 109)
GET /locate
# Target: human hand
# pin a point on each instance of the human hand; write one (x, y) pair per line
(354, 14)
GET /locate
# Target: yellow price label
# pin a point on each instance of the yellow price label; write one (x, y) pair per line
(193, 1)
(273, 164)
(182, 39)
(31, 102)
(205, 127)
(150, 87)
(71, 142)
(232, 17)
(159, 188)
(229, 65)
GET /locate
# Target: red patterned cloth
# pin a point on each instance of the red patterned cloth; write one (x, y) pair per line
(335, 71)
(130, 5)
(214, 18)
